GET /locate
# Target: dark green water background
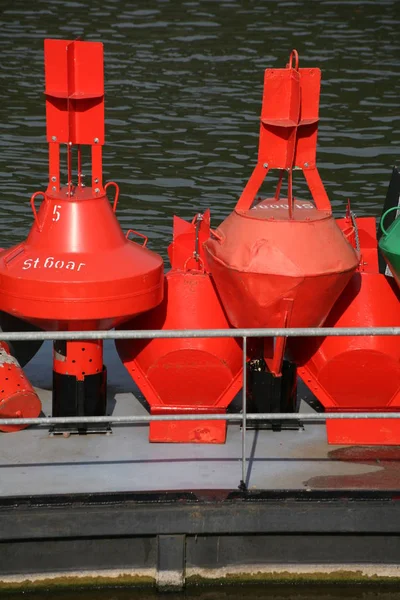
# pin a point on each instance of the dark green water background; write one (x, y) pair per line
(229, 593)
(183, 98)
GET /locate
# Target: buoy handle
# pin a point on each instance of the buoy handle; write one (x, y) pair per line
(35, 195)
(294, 55)
(384, 231)
(10, 255)
(199, 263)
(116, 186)
(146, 239)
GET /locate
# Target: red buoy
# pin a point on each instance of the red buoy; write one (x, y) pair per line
(284, 261)
(185, 376)
(77, 269)
(17, 397)
(357, 373)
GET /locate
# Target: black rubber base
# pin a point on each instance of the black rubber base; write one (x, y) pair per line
(23, 350)
(86, 398)
(270, 394)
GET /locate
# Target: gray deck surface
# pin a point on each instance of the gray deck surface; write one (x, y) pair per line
(32, 462)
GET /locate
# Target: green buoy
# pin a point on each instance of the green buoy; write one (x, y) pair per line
(390, 244)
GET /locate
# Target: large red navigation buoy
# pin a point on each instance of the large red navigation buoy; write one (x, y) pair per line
(185, 376)
(284, 261)
(357, 373)
(77, 269)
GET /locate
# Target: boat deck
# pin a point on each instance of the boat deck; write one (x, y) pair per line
(36, 463)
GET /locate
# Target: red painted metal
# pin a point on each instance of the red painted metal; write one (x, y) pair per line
(283, 262)
(80, 358)
(366, 230)
(77, 270)
(74, 103)
(185, 376)
(357, 373)
(17, 397)
(264, 260)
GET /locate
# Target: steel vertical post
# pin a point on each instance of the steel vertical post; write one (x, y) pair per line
(243, 485)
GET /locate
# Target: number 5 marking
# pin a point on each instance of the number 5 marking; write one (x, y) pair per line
(56, 212)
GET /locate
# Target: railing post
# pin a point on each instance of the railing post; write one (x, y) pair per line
(243, 485)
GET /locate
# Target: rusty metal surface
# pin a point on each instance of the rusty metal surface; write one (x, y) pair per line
(17, 398)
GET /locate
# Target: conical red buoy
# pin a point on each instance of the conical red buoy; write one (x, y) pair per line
(185, 376)
(17, 397)
(283, 261)
(357, 373)
(77, 269)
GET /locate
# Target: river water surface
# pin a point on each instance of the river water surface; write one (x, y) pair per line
(230, 593)
(183, 87)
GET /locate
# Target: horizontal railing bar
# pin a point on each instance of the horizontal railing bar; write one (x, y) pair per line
(198, 333)
(304, 417)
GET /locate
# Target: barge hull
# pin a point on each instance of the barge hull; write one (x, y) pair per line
(172, 538)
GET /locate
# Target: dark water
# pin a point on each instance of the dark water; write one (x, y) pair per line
(230, 593)
(183, 97)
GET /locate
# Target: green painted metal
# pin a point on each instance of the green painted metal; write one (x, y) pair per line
(390, 244)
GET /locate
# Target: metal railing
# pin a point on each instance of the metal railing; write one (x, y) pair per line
(147, 334)
(205, 333)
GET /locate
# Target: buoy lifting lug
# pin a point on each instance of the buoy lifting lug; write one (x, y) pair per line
(139, 234)
(32, 203)
(116, 186)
